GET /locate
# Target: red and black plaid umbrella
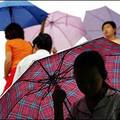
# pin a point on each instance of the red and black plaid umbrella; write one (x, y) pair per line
(31, 96)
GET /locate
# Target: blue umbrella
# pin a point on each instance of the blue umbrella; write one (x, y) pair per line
(22, 12)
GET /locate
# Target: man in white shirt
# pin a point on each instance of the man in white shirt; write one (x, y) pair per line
(42, 46)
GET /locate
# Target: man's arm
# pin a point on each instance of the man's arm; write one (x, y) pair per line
(58, 99)
(7, 64)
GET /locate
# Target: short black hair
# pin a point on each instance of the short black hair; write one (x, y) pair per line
(43, 41)
(112, 23)
(13, 31)
(90, 59)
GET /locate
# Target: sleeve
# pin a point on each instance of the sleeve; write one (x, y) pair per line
(23, 65)
(8, 47)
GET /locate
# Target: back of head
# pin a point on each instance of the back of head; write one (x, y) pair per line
(43, 41)
(90, 59)
(13, 31)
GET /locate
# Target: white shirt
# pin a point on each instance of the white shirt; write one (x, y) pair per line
(25, 63)
(107, 109)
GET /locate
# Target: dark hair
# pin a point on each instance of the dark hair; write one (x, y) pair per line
(112, 23)
(43, 41)
(90, 59)
(13, 31)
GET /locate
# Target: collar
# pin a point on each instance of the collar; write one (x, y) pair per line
(41, 51)
(82, 106)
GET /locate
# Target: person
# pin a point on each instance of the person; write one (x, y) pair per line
(42, 46)
(16, 49)
(109, 29)
(101, 101)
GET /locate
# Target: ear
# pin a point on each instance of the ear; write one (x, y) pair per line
(35, 49)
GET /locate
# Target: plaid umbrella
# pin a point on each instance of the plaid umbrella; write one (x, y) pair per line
(31, 96)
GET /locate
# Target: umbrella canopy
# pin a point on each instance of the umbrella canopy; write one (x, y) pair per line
(95, 18)
(22, 12)
(25, 98)
(65, 30)
(32, 32)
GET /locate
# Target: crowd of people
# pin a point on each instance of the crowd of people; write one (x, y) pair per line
(101, 101)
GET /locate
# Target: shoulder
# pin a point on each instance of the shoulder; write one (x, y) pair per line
(78, 104)
(26, 60)
(8, 42)
(11, 42)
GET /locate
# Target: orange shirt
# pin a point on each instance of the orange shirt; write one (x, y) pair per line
(19, 49)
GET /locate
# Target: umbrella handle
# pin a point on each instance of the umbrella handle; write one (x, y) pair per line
(43, 26)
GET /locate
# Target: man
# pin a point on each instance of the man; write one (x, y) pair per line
(109, 29)
(42, 46)
(101, 102)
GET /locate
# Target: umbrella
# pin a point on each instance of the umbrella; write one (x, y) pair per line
(32, 32)
(22, 12)
(65, 30)
(95, 18)
(31, 96)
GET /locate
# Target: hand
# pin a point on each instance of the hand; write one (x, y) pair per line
(5, 78)
(54, 50)
(58, 95)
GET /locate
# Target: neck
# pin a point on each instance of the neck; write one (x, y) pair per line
(99, 95)
(112, 38)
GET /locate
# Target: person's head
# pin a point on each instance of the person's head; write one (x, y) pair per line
(109, 29)
(42, 41)
(90, 72)
(14, 31)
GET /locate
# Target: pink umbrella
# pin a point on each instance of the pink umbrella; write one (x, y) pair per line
(32, 32)
(65, 30)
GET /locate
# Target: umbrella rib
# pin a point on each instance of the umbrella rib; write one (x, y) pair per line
(67, 70)
(97, 17)
(34, 81)
(63, 34)
(35, 35)
(66, 79)
(31, 14)
(59, 18)
(44, 68)
(63, 77)
(47, 92)
(70, 25)
(109, 13)
(11, 13)
(61, 63)
(34, 91)
(68, 109)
